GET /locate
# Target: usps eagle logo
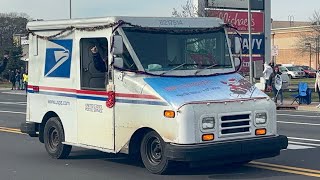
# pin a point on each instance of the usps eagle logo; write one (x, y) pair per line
(239, 87)
(58, 58)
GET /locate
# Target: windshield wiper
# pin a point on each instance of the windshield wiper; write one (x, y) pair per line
(200, 70)
(177, 67)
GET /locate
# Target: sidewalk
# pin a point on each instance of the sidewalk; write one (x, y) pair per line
(302, 107)
(310, 107)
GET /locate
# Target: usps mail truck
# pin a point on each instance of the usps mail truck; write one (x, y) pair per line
(165, 90)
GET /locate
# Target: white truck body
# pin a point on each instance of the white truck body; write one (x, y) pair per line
(56, 88)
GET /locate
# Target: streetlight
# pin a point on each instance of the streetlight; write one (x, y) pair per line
(309, 46)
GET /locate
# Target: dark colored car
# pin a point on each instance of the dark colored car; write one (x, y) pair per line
(311, 73)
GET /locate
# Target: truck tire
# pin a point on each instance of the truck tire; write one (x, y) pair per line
(152, 154)
(53, 139)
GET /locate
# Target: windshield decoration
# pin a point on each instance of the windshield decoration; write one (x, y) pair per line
(239, 87)
(116, 25)
(180, 91)
(160, 50)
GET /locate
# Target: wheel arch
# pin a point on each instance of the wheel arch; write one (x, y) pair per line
(136, 139)
(45, 119)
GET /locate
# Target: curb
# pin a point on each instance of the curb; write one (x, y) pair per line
(299, 108)
(304, 108)
(287, 107)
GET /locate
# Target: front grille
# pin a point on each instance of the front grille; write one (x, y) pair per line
(235, 125)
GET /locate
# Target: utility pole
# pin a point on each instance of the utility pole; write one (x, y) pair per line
(316, 52)
(250, 41)
(70, 6)
(318, 57)
(310, 56)
(308, 45)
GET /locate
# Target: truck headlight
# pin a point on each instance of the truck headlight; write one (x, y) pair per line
(261, 118)
(208, 123)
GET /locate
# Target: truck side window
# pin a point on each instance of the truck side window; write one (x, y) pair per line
(91, 77)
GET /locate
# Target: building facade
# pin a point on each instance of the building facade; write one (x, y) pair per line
(289, 44)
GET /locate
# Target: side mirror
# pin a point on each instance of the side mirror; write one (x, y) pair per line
(118, 62)
(117, 42)
(237, 45)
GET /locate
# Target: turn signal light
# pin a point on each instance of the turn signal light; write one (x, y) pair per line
(261, 132)
(207, 137)
(169, 114)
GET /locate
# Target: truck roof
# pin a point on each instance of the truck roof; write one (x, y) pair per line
(167, 22)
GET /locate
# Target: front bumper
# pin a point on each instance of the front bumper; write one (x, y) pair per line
(227, 152)
(298, 76)
(29, 128)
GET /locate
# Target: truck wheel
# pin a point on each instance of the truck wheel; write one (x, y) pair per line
(152, 154)
(53, 138)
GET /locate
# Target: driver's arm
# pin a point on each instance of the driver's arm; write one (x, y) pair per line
(98, 62)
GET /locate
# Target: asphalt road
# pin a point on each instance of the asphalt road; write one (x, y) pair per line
(25, 158)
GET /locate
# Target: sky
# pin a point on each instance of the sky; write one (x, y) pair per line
(59, 9)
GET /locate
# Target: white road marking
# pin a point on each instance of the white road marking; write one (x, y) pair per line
(296, 115)
(299, 111)
(12, 112)
(14, 103)
(295, 147)
(304, 139)
(15, 93)
(301, 143)
(298, 123)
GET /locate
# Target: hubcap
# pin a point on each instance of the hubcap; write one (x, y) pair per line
(54, 139)
(154, 150)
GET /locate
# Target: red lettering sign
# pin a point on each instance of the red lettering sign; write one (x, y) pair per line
(245, 68)
(239, 19)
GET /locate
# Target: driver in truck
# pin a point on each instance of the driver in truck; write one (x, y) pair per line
(99, 63)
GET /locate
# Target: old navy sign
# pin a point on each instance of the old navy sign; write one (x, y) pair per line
(236, 4)
(239, 19)
(258, 44)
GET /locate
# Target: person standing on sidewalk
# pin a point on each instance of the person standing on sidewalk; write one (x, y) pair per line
(266, 75)
(12, 78)
(317, 85)
(18, 77)
(273, 81)
(25, 81)
(21, 79)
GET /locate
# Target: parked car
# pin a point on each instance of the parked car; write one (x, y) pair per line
(285, 81)
(292, 71)
(310, 73)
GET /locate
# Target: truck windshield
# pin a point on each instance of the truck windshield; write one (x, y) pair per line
(167, 51)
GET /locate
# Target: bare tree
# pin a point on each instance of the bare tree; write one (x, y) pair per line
(10, 24)
(308, 40)
(315, 19)
(191, 10)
